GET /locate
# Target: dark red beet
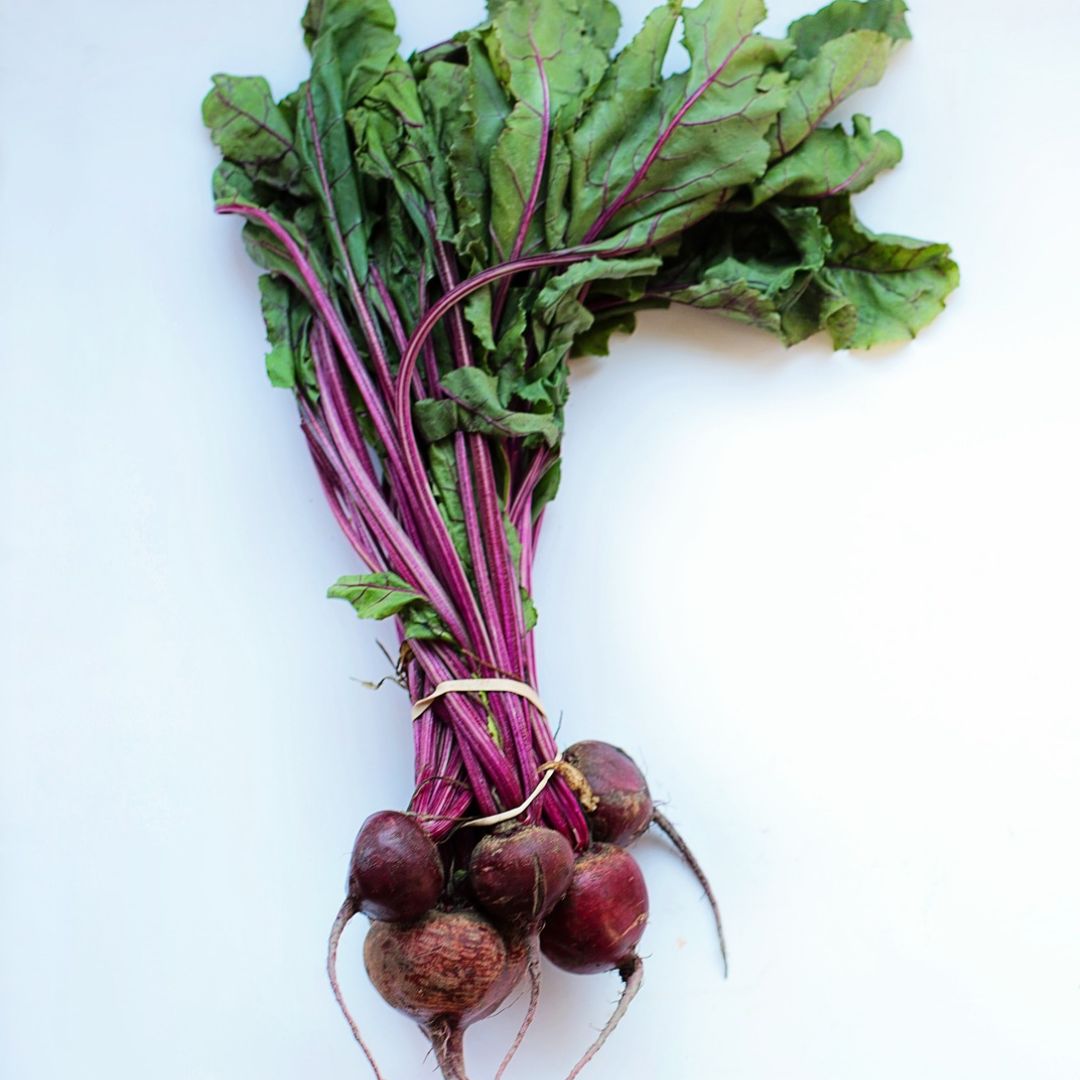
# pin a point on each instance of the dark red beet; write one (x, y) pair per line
(598, 925)
(624, 808)
(599, 922)
(395, 874)
(446, 971)
(519, 873)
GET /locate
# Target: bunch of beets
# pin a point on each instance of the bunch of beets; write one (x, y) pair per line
(454, 931)
(441, 234)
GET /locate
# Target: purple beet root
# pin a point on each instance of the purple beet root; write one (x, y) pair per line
(598, 925)
(450, 963)
(395, 874)
(519, 873)
(446, 971)
(624, 808)
(599, 922)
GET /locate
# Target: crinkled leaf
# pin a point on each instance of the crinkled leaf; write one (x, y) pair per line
(842, 49)
(596, 340)
(549, 63)
(393, 143)
(468, 108)
(352, 42)
(364, 37)
(692, 138)
(267, 251)
(812, 33)
(891, 286)
(750, 265)
(253, 133)
(612, 139)
(831, 162)
(563, 318)
(473, 404)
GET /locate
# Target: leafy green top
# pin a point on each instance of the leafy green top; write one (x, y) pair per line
(442, 233)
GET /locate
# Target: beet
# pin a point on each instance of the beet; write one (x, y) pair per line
(598, 925)
(395, 873)
(624, 808)
(518, 873)
(446, 971)
(602, 917)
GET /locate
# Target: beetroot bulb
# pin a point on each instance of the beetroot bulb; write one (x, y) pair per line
(446, 971)
(621, 809)
(517, 874)
(598, 925)
(395, 875)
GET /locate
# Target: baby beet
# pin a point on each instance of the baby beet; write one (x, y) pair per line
(519, 873)
(602, 917)
(598, 925)
(624, 808)
(395, 874)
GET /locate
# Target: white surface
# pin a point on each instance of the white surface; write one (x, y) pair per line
(829, 602)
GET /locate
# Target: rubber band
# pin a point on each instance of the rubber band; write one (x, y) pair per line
(549, 768)
(494, 686)
(470, 686)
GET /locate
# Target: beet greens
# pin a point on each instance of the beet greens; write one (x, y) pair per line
(442, 233)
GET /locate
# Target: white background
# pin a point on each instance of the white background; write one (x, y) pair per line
(829, 602)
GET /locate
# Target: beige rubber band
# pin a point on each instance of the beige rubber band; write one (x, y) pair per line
(548, 769)
(470, 686)
(497, 686)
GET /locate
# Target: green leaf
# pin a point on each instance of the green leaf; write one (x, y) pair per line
(890, 286)
(393, 143)
(549, 63)
(842, 49)
(445, 485)
(564, 319)
(812, 34)
(266, 250)
(547, 488)
(473, 404)
(352, 43)
(529, 615)
(287, 315)
(831, 162)
(652, 157)
(471, 129)
(253, 133)
(754, 268)
(375, 596)
(616, 132)
(364, 39)
(382, 596)
(602, 20)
